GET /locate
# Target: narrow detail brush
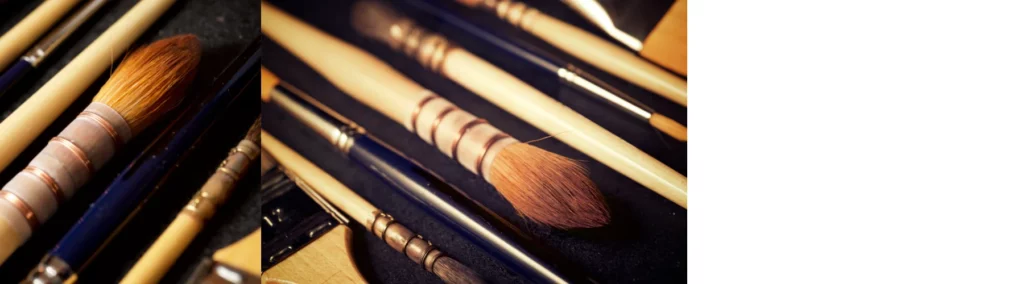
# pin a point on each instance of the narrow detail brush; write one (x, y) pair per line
(49, 102)
(42, 49)
(149, 171)
(542, 186)
(152, 266)
(321, 187)
(18, 38)
(518, 98)
(587, 47)
(296, 235)
(407, 177)
(147, 85)
(561, 70)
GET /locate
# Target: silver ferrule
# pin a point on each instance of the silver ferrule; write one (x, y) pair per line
(341, 131)
(52, 270)
(42, 49)
(595, 13)
(601, 91)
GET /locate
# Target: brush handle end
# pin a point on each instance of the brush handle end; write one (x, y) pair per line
(15, 73)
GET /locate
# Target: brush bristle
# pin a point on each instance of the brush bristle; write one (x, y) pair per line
(254, 131)
(548, 188)
(151, 80)
(451, 271)
(374, 19)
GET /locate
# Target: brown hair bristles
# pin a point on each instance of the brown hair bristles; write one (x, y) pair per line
(548, 188)
(452, 271)
(254, 131)
(151, 80)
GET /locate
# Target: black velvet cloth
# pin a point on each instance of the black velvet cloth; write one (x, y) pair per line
(224, 29)
(646, 241)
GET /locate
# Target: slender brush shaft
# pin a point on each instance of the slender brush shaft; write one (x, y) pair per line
(42, 49)
(32, 26)
(520, 99)
(587, 47)
(166, 249)
(36, 113)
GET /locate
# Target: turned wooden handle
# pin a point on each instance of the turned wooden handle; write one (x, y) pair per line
(328, 259)
(35, 114)
(321, 182)
(543, 112)
(28, 30)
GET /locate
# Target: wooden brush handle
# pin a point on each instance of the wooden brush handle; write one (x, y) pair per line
(328, 259)
(22, 35)
(331, 189)
(159, 258)
(65, 164)
(243, 254)
(588, 47)
(36, 113)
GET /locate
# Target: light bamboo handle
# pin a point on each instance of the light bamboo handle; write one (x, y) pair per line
(372, 76)
(590, 48)
(243, 255)
(328, 259)
(35, 114)
(543, 112)
(165, 251)
(321, 182)
(28, 30)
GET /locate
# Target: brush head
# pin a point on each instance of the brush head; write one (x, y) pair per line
(376, 20)
(548, 188)
(452, 271)
(151, 80)
(254, 131)
(669, 126)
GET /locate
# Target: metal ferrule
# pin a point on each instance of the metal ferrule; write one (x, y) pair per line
(52, 270)
(205, 202)
(604, 92)
(595, 13)
(341, 131)
(427, 48)
(404, 240)
(37, 53)
(516, 13)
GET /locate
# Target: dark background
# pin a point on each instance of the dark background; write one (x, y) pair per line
(646, 241)
(224, 28)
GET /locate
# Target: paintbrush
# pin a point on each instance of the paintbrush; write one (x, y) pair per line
(42, 49)
(399, 98)
(304, 241)
(35, 114)
(406, 176)
(238, 263)
(558, 70)
(542, 186)
(665, 44)
(18, 38)
(320, 185)
(587, 47)
(148, 84)
(149, 171)
(172, 242)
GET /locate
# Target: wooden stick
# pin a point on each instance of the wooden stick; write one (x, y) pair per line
(38, 112)
(22, 35)
(588, 47)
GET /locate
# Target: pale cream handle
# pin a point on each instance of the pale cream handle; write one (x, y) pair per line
(321, 182)
(607, 56)
(350, 69)
(32, 117)
(328, 259)
(165, 251)
(28, 30)
(543, 112)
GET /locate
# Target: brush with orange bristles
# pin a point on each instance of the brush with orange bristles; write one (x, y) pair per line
(149, 83)
(542, 186)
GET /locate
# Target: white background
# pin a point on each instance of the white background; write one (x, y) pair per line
(856, 141)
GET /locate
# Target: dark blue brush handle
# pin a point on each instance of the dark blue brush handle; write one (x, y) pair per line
(424, 188)
(18, 70)
(137, 181)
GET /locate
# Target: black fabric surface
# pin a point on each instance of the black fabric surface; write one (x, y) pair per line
(224, 29)
(645, 243)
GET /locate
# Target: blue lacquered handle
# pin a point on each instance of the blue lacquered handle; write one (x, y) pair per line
(12, 75)
(423, 187)
(137, 181)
